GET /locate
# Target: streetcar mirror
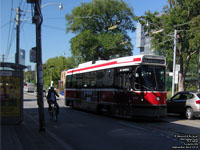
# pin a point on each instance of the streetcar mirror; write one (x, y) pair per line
(136, 75)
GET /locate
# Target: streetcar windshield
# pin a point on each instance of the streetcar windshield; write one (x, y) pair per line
(150, 78)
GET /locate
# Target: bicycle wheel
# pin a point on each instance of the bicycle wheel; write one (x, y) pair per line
(51, 113)
(54, 113)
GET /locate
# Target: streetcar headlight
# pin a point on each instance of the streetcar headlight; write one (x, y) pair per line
(158, 98)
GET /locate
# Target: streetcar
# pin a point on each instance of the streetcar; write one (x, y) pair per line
(126, 87)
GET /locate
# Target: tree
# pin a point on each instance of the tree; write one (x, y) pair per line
(29, 76)
(184, 16)
(53, 67)
(94, 40)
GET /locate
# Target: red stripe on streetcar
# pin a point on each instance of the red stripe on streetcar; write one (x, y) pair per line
(103, 65)
(136, 59)
(124, 62)
(92, 67)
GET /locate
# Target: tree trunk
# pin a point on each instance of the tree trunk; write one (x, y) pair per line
(181, 82)
(170, 4)
(181, 73)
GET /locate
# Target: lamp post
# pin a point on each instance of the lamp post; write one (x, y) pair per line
(174, 62)
(60, 6)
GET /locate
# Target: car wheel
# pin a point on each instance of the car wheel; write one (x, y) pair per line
(189, 113)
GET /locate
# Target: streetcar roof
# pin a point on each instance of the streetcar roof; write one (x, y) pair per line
(118, 62)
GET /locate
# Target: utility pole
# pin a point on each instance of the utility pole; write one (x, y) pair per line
(37, 19)
(174, 61)
(3, 58)
(18, 15)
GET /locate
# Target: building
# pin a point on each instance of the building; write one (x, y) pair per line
(63, 79)
(143, 41)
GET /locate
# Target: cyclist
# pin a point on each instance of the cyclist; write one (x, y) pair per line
(51, 98)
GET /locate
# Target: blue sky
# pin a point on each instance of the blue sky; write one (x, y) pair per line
(55, 40)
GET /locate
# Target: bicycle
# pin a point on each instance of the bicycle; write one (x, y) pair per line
(53, 112)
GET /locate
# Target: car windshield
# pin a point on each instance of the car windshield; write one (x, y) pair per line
(198, 95)
(150, 78)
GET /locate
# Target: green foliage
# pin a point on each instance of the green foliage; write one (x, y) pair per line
(54, 66)
(29, 77)
(169, 95)
(94, 40)
(184, 16)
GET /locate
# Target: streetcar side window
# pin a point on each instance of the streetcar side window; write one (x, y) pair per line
(123, 80)
(68, 81)
(139, 80)
(86, 80)
(79, 80)
(100, 78)
(73, 81)
(92, 77)
(123, 77)
(109, 78)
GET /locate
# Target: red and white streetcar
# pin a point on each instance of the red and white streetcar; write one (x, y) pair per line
(127, 86)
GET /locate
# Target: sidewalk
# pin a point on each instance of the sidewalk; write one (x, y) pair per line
(26, 136)
(61, 96)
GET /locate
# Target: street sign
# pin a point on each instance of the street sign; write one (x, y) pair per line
(176, 77)
(178, 67)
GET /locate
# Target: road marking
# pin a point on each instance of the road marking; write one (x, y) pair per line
(59, 140)
(130, 125)
(187, 123)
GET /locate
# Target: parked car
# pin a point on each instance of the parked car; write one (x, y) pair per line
(186, 103)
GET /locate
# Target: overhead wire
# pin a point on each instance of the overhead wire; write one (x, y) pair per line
(10, 34)
(11, 30)
(12, 38)
(20, 3)
(4, 25)
(24, 10)
(53, 27)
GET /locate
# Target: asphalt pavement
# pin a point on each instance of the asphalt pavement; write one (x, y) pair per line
(80, 130)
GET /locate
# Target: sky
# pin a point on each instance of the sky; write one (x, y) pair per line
(55, 40)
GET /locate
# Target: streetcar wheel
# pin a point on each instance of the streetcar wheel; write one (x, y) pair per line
(189, 113)
(72, 104)
(98, 109)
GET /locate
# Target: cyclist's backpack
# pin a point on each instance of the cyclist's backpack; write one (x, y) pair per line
(52, 96)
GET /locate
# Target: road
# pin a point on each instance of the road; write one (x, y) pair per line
(80, 130)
